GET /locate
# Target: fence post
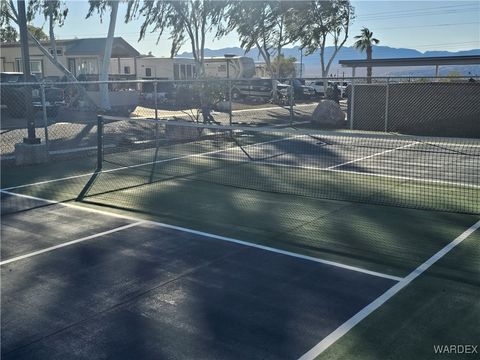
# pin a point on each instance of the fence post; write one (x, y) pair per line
(44, 113)
(290, 100)
(230, 100)
(352, 99)
(386, 104)
(99, 143)
(155, 95)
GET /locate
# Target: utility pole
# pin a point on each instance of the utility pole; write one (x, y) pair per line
(29, 113)
(301, 63)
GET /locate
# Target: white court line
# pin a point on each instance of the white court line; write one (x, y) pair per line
(213, 236)
(46, 182)
(144, 164)
(367, 310)
(69, 243)
(412, 163)
(429, 181)
(399, 177)
(373, 155)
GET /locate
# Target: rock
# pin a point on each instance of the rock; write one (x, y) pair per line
(328, 112)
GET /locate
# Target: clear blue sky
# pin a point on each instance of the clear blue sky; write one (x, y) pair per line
(421, 25)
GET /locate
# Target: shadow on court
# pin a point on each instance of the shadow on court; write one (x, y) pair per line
(82, 284)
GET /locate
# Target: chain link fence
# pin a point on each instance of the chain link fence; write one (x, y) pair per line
(64, 114)
(441, 106)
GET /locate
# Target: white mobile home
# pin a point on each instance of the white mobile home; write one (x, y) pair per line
(82, 57)
(154, 68)
(239, 67)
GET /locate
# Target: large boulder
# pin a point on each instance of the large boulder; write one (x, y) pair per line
(328, 113)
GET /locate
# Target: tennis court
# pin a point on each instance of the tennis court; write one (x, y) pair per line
(194, 241)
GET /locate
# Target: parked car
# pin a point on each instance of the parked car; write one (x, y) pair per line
(302, 91)
(318, 86)
(13, 96)
(256, 88)
(320, 90)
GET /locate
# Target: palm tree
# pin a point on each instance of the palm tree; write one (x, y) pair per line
(364, 42)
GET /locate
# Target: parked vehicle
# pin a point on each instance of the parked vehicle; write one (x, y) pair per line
(302, 91)
(239, 67)
(13, 96)
(256, 88)
(342, 86)
(318, 86)
(320, 90)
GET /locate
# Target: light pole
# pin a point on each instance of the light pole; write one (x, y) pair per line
(228, 57)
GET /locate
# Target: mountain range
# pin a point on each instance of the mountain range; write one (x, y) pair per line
(312, 62)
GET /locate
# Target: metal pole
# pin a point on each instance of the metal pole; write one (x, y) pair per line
(156, 100)
(29, 113)
(352, 98)
(386, 104)
(44, 111)
(98, 170)
(301, 63)
(290, 100)
(99, 143)
(229, 93)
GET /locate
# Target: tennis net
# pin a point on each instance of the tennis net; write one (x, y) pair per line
(386, 169)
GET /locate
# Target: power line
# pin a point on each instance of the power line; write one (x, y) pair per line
(417, 14)
(416, 10)
(427, 26)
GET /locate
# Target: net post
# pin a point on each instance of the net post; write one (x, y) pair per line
(98, 169)
(99, 143)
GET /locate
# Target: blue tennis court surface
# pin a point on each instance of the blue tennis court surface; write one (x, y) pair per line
(83, 284)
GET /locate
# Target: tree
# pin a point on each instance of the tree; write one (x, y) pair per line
(8, 14)
(365, 42)
(261, 24)
(317, 23)
(101, 7)
(8, 34)
(264, 25)
(188, 20)
(284, 67)
(54, 11)
(37, 32)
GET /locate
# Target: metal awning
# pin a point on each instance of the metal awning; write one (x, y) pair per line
(416, 61)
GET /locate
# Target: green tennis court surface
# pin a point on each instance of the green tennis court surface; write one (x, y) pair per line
(278, 245)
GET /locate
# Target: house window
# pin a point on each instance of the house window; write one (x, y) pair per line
(176, 72)
(126, 70)
(183, 73)
(59, 52)
(189, 71)
(148, 71)
(87, 66)
(36, 67)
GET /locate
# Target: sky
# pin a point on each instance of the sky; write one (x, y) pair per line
(421, 25)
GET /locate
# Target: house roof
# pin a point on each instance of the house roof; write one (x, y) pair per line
(96, 46)
(416, 61)
(91, 46)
